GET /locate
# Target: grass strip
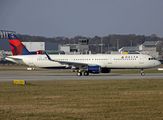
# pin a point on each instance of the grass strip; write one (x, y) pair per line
(77, 100)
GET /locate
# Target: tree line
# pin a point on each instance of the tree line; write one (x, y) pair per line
(109, 42)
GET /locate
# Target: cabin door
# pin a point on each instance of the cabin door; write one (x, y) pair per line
(109, 60)
(141, 60)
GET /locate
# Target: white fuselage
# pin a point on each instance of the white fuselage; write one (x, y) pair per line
(116, 61)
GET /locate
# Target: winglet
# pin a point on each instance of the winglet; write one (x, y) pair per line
(48, 56)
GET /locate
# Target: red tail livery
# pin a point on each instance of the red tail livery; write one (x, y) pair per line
(17, 47)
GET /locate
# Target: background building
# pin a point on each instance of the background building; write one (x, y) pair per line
(81, 48)
(4, 42)
(153, 48)
(34, 46)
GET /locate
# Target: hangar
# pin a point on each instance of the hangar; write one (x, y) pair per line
(34, 46)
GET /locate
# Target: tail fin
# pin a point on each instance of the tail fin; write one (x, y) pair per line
(17, 47)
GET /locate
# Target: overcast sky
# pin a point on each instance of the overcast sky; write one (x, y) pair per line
(89, 18)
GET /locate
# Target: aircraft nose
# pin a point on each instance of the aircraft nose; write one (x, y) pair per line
(158, 63)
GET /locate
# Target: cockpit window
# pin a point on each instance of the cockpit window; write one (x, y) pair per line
(152, 58)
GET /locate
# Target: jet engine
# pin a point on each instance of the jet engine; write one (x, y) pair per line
(105, 70)
(94, 69)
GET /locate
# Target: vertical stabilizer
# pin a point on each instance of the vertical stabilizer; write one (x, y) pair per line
(16, 45)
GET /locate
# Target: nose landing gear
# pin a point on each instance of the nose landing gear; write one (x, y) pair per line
(142, 72)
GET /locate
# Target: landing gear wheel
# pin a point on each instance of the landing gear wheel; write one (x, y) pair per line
(86, 73)
(79, 74)
(142, 73)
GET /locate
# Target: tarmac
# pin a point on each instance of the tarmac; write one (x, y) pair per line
(8, 73)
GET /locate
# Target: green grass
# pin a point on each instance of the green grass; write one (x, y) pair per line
(80, 100)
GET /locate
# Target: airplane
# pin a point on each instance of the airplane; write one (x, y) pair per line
(90, 63)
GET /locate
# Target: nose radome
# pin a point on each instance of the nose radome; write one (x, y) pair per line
(158, 63)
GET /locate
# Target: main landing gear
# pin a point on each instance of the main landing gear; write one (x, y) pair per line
(86, 73)
(142, 72)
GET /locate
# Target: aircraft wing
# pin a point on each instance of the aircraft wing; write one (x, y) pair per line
(75, 64)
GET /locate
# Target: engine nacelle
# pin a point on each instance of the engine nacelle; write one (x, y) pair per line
(105, 70)
(94, 69)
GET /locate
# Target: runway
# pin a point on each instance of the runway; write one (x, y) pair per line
(9, 76)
